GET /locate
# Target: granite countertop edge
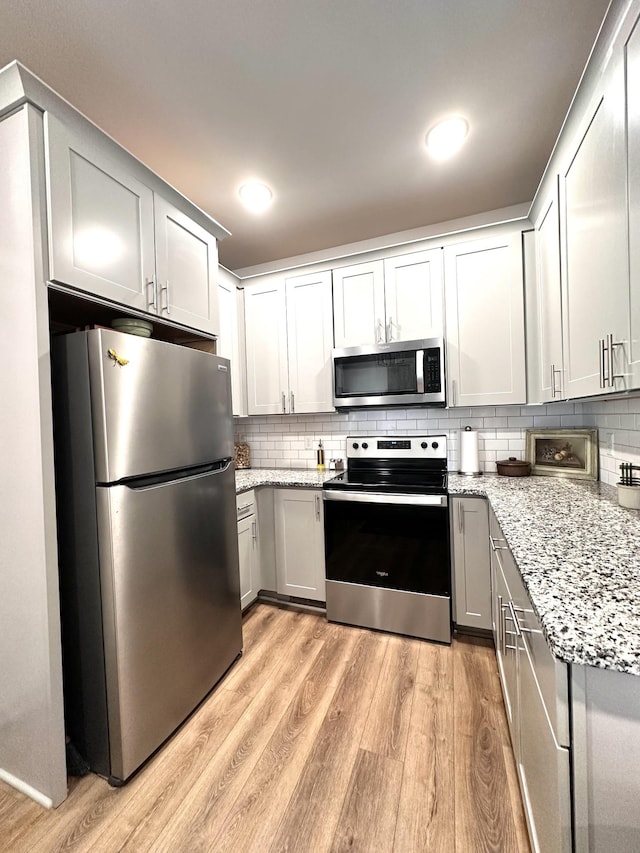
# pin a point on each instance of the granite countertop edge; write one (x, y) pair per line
(576, 549)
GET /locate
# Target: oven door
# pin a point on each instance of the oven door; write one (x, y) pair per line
(392, 541)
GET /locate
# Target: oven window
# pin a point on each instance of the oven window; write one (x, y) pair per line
(375, 375)
(387, 545)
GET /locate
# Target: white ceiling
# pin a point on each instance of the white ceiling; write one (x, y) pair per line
(327, 101)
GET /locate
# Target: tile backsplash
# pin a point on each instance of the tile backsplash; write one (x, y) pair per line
(290, 441)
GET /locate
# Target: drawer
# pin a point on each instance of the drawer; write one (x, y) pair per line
(551, 674)
(544, 769)
(246, 504)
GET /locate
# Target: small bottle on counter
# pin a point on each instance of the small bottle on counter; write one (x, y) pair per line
(320, 456)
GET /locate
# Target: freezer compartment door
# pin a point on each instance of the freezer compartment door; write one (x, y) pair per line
(156, 406)
(171, 605)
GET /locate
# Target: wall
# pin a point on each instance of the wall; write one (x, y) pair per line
(618, 424)
(289, 441)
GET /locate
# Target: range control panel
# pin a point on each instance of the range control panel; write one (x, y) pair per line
(388, 447)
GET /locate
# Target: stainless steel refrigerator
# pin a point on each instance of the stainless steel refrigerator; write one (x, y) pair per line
(147, 534)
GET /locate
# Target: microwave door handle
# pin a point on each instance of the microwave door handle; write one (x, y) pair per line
(420, 370)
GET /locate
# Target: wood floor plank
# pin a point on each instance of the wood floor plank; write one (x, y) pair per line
(311, 817)
(426, 815)
(18, 815)
(484, 819)
(392, 702)
(367, 822)
(257, 812)
(201, 815)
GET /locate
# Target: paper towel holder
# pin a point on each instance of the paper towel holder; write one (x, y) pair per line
(476, 473)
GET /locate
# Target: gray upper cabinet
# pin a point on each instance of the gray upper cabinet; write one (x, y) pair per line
(632, 76)
(186, 269)
(114, 237)
(101, 222)
(549, 381)
(595, 276)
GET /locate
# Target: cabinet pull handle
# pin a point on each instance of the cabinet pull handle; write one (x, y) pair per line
(554, 391)
(317, 499)
(513, 618)
(244, 507)
(284, 403)
(460, 517)
(254, 534)
(611, 345)
(390, 329)
(165, 290)
(454, 392)
(495, 547)
(379, 332)
(601, 354)
(499, 626)
(151, 301)
(292, 402)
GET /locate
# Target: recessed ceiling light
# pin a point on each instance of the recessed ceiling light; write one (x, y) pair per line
(447, 137)
(255, 196)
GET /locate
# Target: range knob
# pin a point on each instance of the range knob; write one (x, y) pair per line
(435, 445)
(355, 445)
(364, 445)
(424, 445)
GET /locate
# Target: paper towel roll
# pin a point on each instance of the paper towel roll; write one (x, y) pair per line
(469, 457)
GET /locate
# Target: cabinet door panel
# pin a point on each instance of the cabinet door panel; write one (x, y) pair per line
(485, 322)
(632, 56)
(549, 343)
(100, 220)
(300, 543)
(247, 552)
(310, 340)
(544, 769)
(593, 215)
(228, 344)
(471, 563)
(187, 264)
(265, 322)
(358, 304)
(413, 287)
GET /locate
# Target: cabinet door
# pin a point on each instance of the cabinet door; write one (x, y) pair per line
(595, 283)
(300, 543)
(485, 322)
(544, 769)
(549, 309)
(266, 328)
(358, 304)
(413, 288)
(471, 562)
(632, 57)
(100, 222)
(228, 343)
(247, 552)
(310, 340)
(186, 268)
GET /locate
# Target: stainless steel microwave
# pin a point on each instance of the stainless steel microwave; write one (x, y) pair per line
(403, 373)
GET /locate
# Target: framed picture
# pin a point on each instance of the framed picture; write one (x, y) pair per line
(563, 452)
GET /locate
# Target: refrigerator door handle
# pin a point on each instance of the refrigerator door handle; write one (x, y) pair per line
(152, 480)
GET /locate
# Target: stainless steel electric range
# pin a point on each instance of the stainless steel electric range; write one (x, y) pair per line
(387, 537)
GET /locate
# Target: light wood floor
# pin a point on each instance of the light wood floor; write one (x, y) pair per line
(321, 738)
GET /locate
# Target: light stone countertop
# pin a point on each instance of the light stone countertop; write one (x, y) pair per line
(578, 553)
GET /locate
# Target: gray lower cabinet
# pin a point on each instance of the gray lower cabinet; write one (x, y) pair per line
(248, 548)
(471, 562)
(535, 689)
(299, 535)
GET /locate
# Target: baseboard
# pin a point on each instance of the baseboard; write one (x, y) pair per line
(21, 786)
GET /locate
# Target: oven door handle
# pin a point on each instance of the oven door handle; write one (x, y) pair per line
(371, 498)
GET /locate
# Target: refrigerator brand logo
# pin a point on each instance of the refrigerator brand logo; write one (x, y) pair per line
(383, 574)
(117, 359)
(222, 367)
